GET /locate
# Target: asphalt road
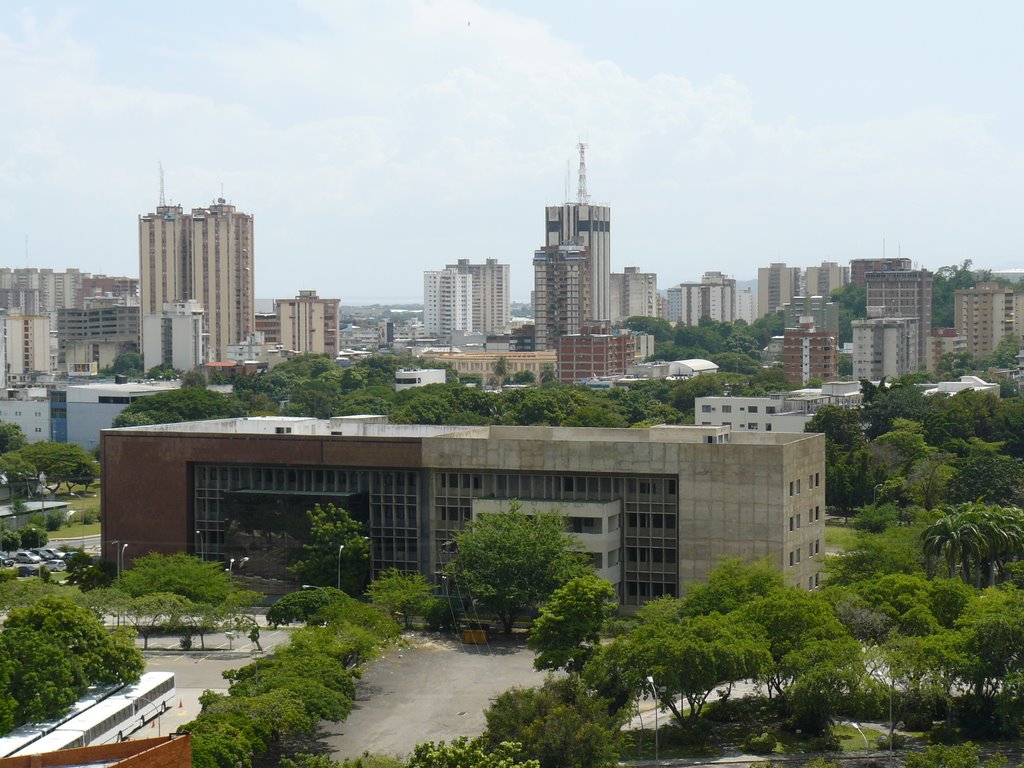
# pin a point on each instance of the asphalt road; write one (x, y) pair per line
(430, 690)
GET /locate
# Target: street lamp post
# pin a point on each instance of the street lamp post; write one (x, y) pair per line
(340, 547)
(657, 704)
(874, 497)
(120, 558)
(201, 544)
(231, 565)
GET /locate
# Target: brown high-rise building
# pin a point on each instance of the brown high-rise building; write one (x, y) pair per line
(809, 353)
(561, 292)
(983, 316)
(206, 256)
(308, 324)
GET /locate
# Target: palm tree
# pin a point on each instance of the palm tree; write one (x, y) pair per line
(501, 369)
(979, 537)
(955, 538)
(547, 373)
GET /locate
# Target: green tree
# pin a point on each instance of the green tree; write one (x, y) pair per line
(400, 594)
(11, 438)
(688, 657)
(180, 574)
(463, 753)
(19, 475)
(833, 672)
(511, 561)
(953, 756)
(337, 549)
(61, 463)
(569, 626)
(153, 612)
(991, 478)
(191, 404)
(37, 678)
(128, 364)
(561, 724)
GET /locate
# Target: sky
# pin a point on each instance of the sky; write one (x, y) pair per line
(374, 140)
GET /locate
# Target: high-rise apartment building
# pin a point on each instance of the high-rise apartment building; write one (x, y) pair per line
(859, 268)
(902, 293)
(28, 344)
(776, 284)
(825, 278)
(308, 324)
(984, 316)
(561, 292)
(713, 297)
(447, 301)
(810, 353)
(885, 346)
(583, 224)
(633, 294)
(746, 305)
(491, 303)
(206, 256)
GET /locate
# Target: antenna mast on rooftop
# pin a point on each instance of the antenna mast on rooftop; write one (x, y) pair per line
(161, 167)
(581, 191)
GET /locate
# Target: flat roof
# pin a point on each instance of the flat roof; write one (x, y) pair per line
(375, 426)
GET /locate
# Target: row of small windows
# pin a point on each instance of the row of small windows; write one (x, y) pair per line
(794, 555)
(813, 515)
(813, 481)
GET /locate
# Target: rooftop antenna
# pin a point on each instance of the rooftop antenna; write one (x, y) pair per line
(163, 201)
(581, 191)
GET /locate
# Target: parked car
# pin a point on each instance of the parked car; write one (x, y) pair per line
(6, 562)
(48, 553)
(56, 565)
(28, 570)
(27, 558)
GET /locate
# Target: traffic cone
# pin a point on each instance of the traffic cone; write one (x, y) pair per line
(153, 723)
(181, 704)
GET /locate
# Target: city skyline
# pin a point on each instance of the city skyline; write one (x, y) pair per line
(723, 137)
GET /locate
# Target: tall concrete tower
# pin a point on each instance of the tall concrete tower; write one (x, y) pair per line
(580, 223)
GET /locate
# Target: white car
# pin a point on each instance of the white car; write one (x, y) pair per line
(56, 565)
(27, 558)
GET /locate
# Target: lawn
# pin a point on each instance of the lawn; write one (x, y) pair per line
(839, 537)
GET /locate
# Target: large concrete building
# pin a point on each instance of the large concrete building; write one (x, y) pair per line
(633, 294)
(93, 407)
(656, 508)
(984, 316)
(96, 335)
(206, 256)
(447, 301)
(902, 293)
(776, 285)
(885, 346)
(713, 297)
(491, 300)
(27, 344)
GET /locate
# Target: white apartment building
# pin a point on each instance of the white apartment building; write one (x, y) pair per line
(176, 338)
(29, 408)
(780, 412)
(447, 301)
(885, 346)
(746, 305)
(713, 297)
(491, 304)
(633, 294)
(419, 377)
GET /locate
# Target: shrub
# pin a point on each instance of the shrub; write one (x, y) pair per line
(54, 521)
(438, 614)
(762, 744)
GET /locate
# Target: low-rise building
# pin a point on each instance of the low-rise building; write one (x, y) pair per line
(779, 412)
(972, 383)
(92, 407)
(660, 506)
(407, 378)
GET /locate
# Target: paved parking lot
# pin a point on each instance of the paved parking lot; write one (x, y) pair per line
(433, 689)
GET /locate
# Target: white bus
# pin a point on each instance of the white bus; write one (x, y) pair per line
(24, 735)
(113, 719)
